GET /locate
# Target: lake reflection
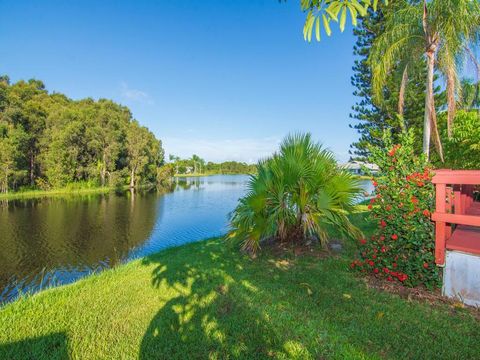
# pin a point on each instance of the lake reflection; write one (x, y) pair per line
(58, 240)
(51, 241)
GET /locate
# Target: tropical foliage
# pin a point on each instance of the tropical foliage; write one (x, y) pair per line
(297, 194)
(402, 249)
(440, 32)
(321, 12)
(462, 149)
(48, 140)
(371, 118)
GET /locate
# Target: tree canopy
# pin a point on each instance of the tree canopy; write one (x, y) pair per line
(48, 140)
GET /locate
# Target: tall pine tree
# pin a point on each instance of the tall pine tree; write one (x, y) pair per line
(371, 119)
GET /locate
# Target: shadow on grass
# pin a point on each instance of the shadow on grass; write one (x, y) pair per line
(211, 317)
(53, 346)
(228, 306)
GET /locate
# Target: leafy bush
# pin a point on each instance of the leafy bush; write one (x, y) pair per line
(462, 151)
(402, 249)
(165, 174)
(296, 195)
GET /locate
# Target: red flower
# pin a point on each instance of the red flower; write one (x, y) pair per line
(425, 265)
(382, 237)
(372, 201)
(385, 270)
(394, 237)
(426, 213)
(363, 241)
(371, 263)
(388, 208)
(414, 200)
(384, 249)
(390, 278)
(376, 271)
(393, 151)
(402, 277)
(374, 183)
(383, 223)
(394, 265)
(374, 256)
(370, 207)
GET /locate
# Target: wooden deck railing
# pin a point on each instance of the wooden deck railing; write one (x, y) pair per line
(456, 212)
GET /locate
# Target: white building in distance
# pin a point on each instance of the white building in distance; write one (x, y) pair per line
(357, 167)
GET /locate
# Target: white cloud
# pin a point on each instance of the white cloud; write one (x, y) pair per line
(135, 94)
(247, 150)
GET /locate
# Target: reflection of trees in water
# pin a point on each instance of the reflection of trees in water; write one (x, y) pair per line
(72, 233)
(187, 183)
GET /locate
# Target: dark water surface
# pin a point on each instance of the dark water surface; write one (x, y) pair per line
(57, 240)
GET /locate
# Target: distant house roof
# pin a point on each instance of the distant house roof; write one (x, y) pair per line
(357, 165)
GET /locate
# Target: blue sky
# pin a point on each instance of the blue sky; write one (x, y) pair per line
(223, 79)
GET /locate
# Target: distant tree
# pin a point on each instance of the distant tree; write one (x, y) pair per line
(195, 159)
(11, 139)
(175, 159)
(165, 174)
(137, 142)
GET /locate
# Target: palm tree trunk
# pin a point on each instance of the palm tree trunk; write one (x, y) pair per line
(430, 119)
(426, 120)
(438, 141)
(450, 100)
(401, 94)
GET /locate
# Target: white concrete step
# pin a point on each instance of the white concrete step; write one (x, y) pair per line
(461, 277)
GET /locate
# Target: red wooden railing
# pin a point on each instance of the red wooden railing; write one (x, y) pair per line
(457, 215)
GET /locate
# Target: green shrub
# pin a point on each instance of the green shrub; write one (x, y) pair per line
(462, 151)
(402, 249)
(297, 194)
(165, 174)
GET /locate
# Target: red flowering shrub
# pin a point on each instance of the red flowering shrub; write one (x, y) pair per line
(402, 248)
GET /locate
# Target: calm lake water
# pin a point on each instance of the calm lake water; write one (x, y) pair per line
(51, 241)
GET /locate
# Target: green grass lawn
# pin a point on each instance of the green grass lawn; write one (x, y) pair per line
(205, 300)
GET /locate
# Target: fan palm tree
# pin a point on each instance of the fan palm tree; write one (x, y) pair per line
(297, 194)
(438, 31)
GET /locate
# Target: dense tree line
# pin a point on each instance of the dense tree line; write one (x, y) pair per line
(231, 167)
(48, 141)
(197, 165)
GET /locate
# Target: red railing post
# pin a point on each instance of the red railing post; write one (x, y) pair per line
(440, 228)
(448, 210)
(457, 199)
